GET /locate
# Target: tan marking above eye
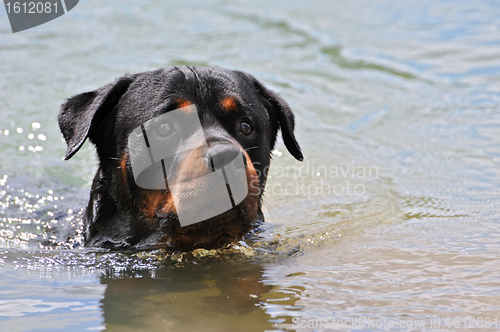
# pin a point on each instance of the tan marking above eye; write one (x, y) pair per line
(183, 103)
(229, 104)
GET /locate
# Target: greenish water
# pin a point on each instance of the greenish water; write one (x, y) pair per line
(393, 217)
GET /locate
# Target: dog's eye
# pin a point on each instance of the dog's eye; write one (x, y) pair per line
(165, 129)
(245, 128)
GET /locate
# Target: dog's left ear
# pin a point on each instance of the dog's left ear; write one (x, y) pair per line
(281, 113)
(81, 112)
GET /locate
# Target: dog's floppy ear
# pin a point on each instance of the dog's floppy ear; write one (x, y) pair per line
(81, 112)
(280, 111)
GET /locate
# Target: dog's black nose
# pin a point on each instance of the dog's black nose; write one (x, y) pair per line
(221, 154)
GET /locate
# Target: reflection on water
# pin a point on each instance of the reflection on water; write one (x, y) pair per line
(392, 216)
(184, 296)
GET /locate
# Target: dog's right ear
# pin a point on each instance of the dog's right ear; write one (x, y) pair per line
(281, 112)
(81, 112)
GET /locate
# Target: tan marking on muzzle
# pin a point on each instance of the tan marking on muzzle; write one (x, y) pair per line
(252, 177)
(123, 169)
(156, 201)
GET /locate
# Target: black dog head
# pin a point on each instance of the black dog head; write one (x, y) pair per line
(238, 117)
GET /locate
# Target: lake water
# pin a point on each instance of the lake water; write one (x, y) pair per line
(390, 223)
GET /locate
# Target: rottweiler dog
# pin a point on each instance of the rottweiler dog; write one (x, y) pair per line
(214, 117)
